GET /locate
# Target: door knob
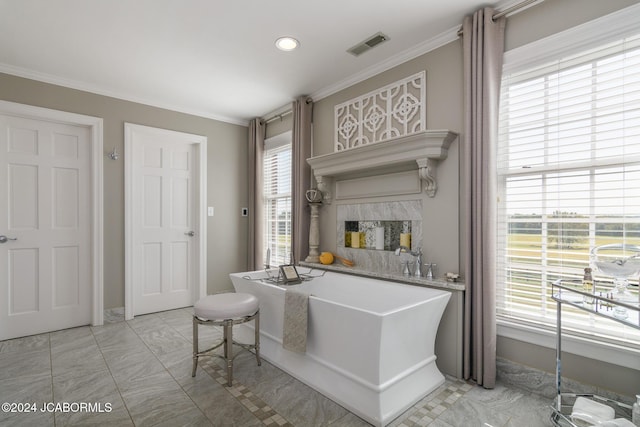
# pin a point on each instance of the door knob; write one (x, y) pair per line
(5, 239)
(190, 233)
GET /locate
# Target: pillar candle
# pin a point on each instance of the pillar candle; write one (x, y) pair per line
(355, 239)
(405, 240)
(379, 238)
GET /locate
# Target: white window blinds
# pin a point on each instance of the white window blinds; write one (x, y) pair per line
(569, 176)
(277, 202)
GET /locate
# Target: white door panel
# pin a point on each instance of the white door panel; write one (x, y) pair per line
(164, 176)
(45, 279)
(23, 294)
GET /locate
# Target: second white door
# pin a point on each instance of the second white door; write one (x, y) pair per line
(164, 229)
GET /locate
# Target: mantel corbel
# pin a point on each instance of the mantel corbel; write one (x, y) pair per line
(427, 171)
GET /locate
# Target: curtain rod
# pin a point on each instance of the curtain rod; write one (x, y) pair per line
(284, 113)
(513, 9)
(278, 116)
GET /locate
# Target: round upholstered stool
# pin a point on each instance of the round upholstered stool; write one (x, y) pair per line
(225, 310)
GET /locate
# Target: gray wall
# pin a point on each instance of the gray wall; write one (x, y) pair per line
(227, 181)
(442, 239)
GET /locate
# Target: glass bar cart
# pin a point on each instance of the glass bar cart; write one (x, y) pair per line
(570, 292)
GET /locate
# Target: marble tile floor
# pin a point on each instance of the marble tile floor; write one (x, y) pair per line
(138, 373)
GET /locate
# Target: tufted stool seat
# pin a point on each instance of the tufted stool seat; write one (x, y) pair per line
(226, 310)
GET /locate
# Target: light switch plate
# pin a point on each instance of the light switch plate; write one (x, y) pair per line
(210, 211)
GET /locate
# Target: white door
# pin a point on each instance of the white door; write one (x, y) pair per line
(45, 256)
(165, 231)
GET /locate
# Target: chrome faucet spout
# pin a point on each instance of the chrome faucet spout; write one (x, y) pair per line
(418, 254)
(404, 249)
(418, 270)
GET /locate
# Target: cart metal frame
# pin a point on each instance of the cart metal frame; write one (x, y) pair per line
(561, 292)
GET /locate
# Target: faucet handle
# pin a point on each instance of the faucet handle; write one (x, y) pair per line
(407, 269)
(430, 270)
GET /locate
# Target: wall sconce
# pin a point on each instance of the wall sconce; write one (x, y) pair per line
(114, 155)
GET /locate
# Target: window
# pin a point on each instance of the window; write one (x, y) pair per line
(569, 178)
(277, 198)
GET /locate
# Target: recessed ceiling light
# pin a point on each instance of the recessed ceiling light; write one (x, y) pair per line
(287, 43)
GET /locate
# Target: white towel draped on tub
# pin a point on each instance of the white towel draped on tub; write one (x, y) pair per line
(296, 308)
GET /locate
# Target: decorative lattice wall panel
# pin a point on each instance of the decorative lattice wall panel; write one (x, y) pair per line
(393, 111)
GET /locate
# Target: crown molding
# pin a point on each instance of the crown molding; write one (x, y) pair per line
(88, 87)
(422, 48)
(419, 49)
(400, 58)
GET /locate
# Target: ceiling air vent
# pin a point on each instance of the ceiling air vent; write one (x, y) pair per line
(369, 43)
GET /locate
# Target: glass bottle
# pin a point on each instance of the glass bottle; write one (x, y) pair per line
(587, 286)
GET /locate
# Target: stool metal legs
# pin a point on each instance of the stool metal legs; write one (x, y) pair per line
(228, 349)
(257, 338)
(195, 346)
(227, 342)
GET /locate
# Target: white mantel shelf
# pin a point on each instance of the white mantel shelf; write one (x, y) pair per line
(423, 150)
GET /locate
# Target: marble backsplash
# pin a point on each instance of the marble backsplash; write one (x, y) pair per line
(384, 261)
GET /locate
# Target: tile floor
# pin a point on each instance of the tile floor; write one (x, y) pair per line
(139, 373)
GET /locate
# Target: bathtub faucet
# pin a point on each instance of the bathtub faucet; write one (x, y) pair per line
(418, 254)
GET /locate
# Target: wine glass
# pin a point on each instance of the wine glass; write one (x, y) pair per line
(620, 261)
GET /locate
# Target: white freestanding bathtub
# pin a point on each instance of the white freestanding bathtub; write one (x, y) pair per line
(370, 343)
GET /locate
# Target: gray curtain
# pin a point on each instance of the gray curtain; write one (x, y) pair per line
(483, 46)
(256, 233)
(301, 176)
